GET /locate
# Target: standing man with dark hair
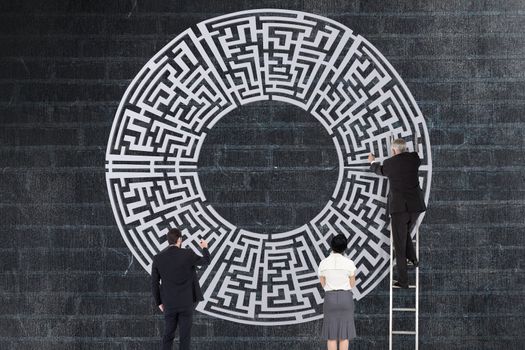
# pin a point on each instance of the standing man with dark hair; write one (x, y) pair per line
(405, 202)
(180, 291)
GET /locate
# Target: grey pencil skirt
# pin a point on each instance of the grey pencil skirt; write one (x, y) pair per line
(338, 312)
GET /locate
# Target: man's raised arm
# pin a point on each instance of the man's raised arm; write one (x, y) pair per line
(375, 166)
(205, 259)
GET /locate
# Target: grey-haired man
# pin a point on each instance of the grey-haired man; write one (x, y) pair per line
(405, 202)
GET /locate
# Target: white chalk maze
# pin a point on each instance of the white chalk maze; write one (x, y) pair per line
(206, 72)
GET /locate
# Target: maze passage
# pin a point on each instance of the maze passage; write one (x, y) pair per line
(208, 71)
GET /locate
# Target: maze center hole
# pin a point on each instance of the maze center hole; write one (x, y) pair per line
(268, 167)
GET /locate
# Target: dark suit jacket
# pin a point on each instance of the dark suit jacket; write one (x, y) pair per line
(405, 195)
(175, 267)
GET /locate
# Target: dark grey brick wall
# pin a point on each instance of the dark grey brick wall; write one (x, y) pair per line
(67, 281)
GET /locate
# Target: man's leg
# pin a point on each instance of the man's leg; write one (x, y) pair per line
(410, 250)
(185, 321)
(399, 234)
(170, 325)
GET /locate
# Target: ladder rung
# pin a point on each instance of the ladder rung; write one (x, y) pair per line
(408, 264)
(403, 332)
(413, 309)
(410, 286)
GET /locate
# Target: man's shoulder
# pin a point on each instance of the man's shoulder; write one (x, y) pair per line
(402, 157)
(176, 251)
(163, 251)
(410, 154)
(167, 255)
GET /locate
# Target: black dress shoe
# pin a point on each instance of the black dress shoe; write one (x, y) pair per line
(399, 285)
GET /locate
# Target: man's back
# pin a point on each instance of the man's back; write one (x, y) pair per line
(175, 267)
(402, 172)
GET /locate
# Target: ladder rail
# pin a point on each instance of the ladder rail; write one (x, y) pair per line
(390, 312)
(391, 304)
(418, 223)
(417, 289)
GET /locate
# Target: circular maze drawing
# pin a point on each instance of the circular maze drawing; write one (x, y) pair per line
(206, 72)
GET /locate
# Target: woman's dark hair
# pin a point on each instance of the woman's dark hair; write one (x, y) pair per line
(173, 235)
(339, 243)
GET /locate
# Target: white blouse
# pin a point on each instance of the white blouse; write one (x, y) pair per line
(337, 269)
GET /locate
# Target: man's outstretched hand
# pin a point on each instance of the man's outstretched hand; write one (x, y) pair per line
(161, 307)
(371, 158)
(203, 244)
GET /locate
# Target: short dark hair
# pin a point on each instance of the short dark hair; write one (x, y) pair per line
(173, 235)
(339, 243)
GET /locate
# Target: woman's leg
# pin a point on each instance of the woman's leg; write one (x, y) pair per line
(331, 344)
(343, 344)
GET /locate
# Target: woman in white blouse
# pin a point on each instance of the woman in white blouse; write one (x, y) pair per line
(337, 275)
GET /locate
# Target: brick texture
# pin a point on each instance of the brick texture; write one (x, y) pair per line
(67, 280)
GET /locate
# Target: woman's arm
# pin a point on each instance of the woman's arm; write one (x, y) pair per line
(352, 281)
(322, 279)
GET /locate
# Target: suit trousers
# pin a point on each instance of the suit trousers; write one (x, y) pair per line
(402, 225)
(182, 319)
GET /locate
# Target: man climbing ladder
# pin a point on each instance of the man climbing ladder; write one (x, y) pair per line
(405, 203)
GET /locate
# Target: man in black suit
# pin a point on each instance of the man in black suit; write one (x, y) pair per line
(179, 291)
(405, 202)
